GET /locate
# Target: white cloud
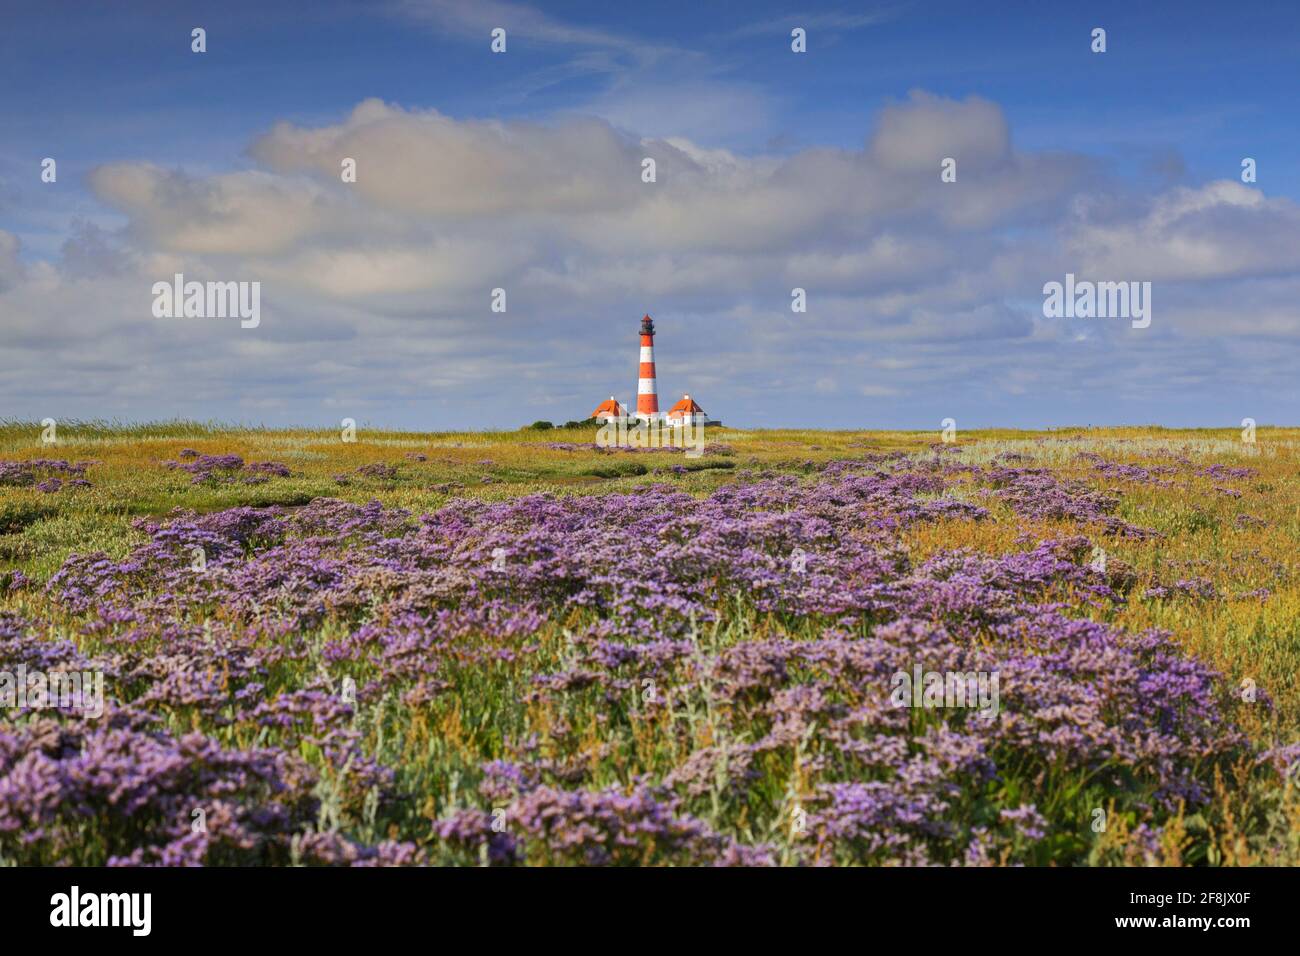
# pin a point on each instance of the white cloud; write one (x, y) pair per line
(376, 293)
(1220, 230)
(918, 134)
(237, 213)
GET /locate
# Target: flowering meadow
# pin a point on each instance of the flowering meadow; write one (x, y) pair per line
(524, 649)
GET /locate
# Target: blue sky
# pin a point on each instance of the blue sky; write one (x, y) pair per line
(521, 171)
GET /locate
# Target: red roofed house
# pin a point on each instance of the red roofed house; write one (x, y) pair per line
(609, 410)
(686, 412)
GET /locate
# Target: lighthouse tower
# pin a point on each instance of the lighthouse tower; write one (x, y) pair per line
(647, 391)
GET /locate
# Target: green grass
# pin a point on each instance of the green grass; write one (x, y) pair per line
(439, 747)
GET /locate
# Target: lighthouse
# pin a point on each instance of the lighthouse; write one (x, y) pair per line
(647, 390)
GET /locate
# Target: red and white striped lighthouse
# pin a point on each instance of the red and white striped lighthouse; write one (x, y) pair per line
(647, 390)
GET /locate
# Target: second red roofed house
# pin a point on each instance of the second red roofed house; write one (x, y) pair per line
(686, 412)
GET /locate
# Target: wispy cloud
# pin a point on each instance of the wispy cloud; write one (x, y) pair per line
(830, 22)
(479, 18)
